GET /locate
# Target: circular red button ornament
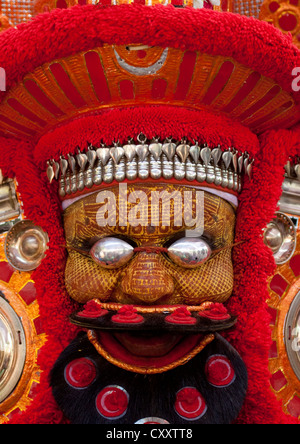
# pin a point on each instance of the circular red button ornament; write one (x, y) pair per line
(190, 404)
(92, 309)
(127, 315)
(181, 316)
(112, 402)
(80, 373)
(287, 21)
(216, 312)
(219, 371)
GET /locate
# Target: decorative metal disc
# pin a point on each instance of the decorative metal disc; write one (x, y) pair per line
(280, 236)
(25, 245)
(292, 335)
(12, 349)
(152, 420)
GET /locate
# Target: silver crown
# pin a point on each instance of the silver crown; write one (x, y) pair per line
(150, 160)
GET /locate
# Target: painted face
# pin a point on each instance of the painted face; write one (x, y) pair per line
(157, 267)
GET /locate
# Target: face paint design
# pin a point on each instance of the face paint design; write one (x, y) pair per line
(130, 251)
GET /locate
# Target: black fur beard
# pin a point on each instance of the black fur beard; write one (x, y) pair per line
(149, 395)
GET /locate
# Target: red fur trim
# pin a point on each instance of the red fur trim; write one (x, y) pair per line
(253, 263)
(65, 32)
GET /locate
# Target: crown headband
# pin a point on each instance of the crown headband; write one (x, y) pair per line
(150, 160)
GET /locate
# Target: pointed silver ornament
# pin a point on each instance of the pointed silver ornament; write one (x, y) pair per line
(103, 154)
(227, 158)
(297, 170)
(91, 156)
(81, 160)
(216, 154)
(116, 153)
(195, 152)
(249, 169)
(240, 163)
(142, 152)
(72, 163)
(155, 149)
(205, 155)
(50, 172)
(183, 151)
(235, 160)
(169, 149)
(63, 163)
(129, 151)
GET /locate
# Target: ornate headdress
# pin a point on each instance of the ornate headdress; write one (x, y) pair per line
(103, 94)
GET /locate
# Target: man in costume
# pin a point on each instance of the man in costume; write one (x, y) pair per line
(148, 143)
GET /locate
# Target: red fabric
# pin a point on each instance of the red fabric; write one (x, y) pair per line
(165, 121)
(64, 32)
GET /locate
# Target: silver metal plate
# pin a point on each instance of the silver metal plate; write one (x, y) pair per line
(25, 246)
(280, 236)
(12, 349)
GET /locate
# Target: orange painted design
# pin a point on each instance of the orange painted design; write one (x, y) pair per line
(40, 6)
(28, 311)
(284, 15)
(287, 384)
(43, 100)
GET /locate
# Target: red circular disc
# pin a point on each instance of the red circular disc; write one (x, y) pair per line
(273, 6)
(112, 402)
(80, 373)
(219, 371)
(190, 404)
(287, 21)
